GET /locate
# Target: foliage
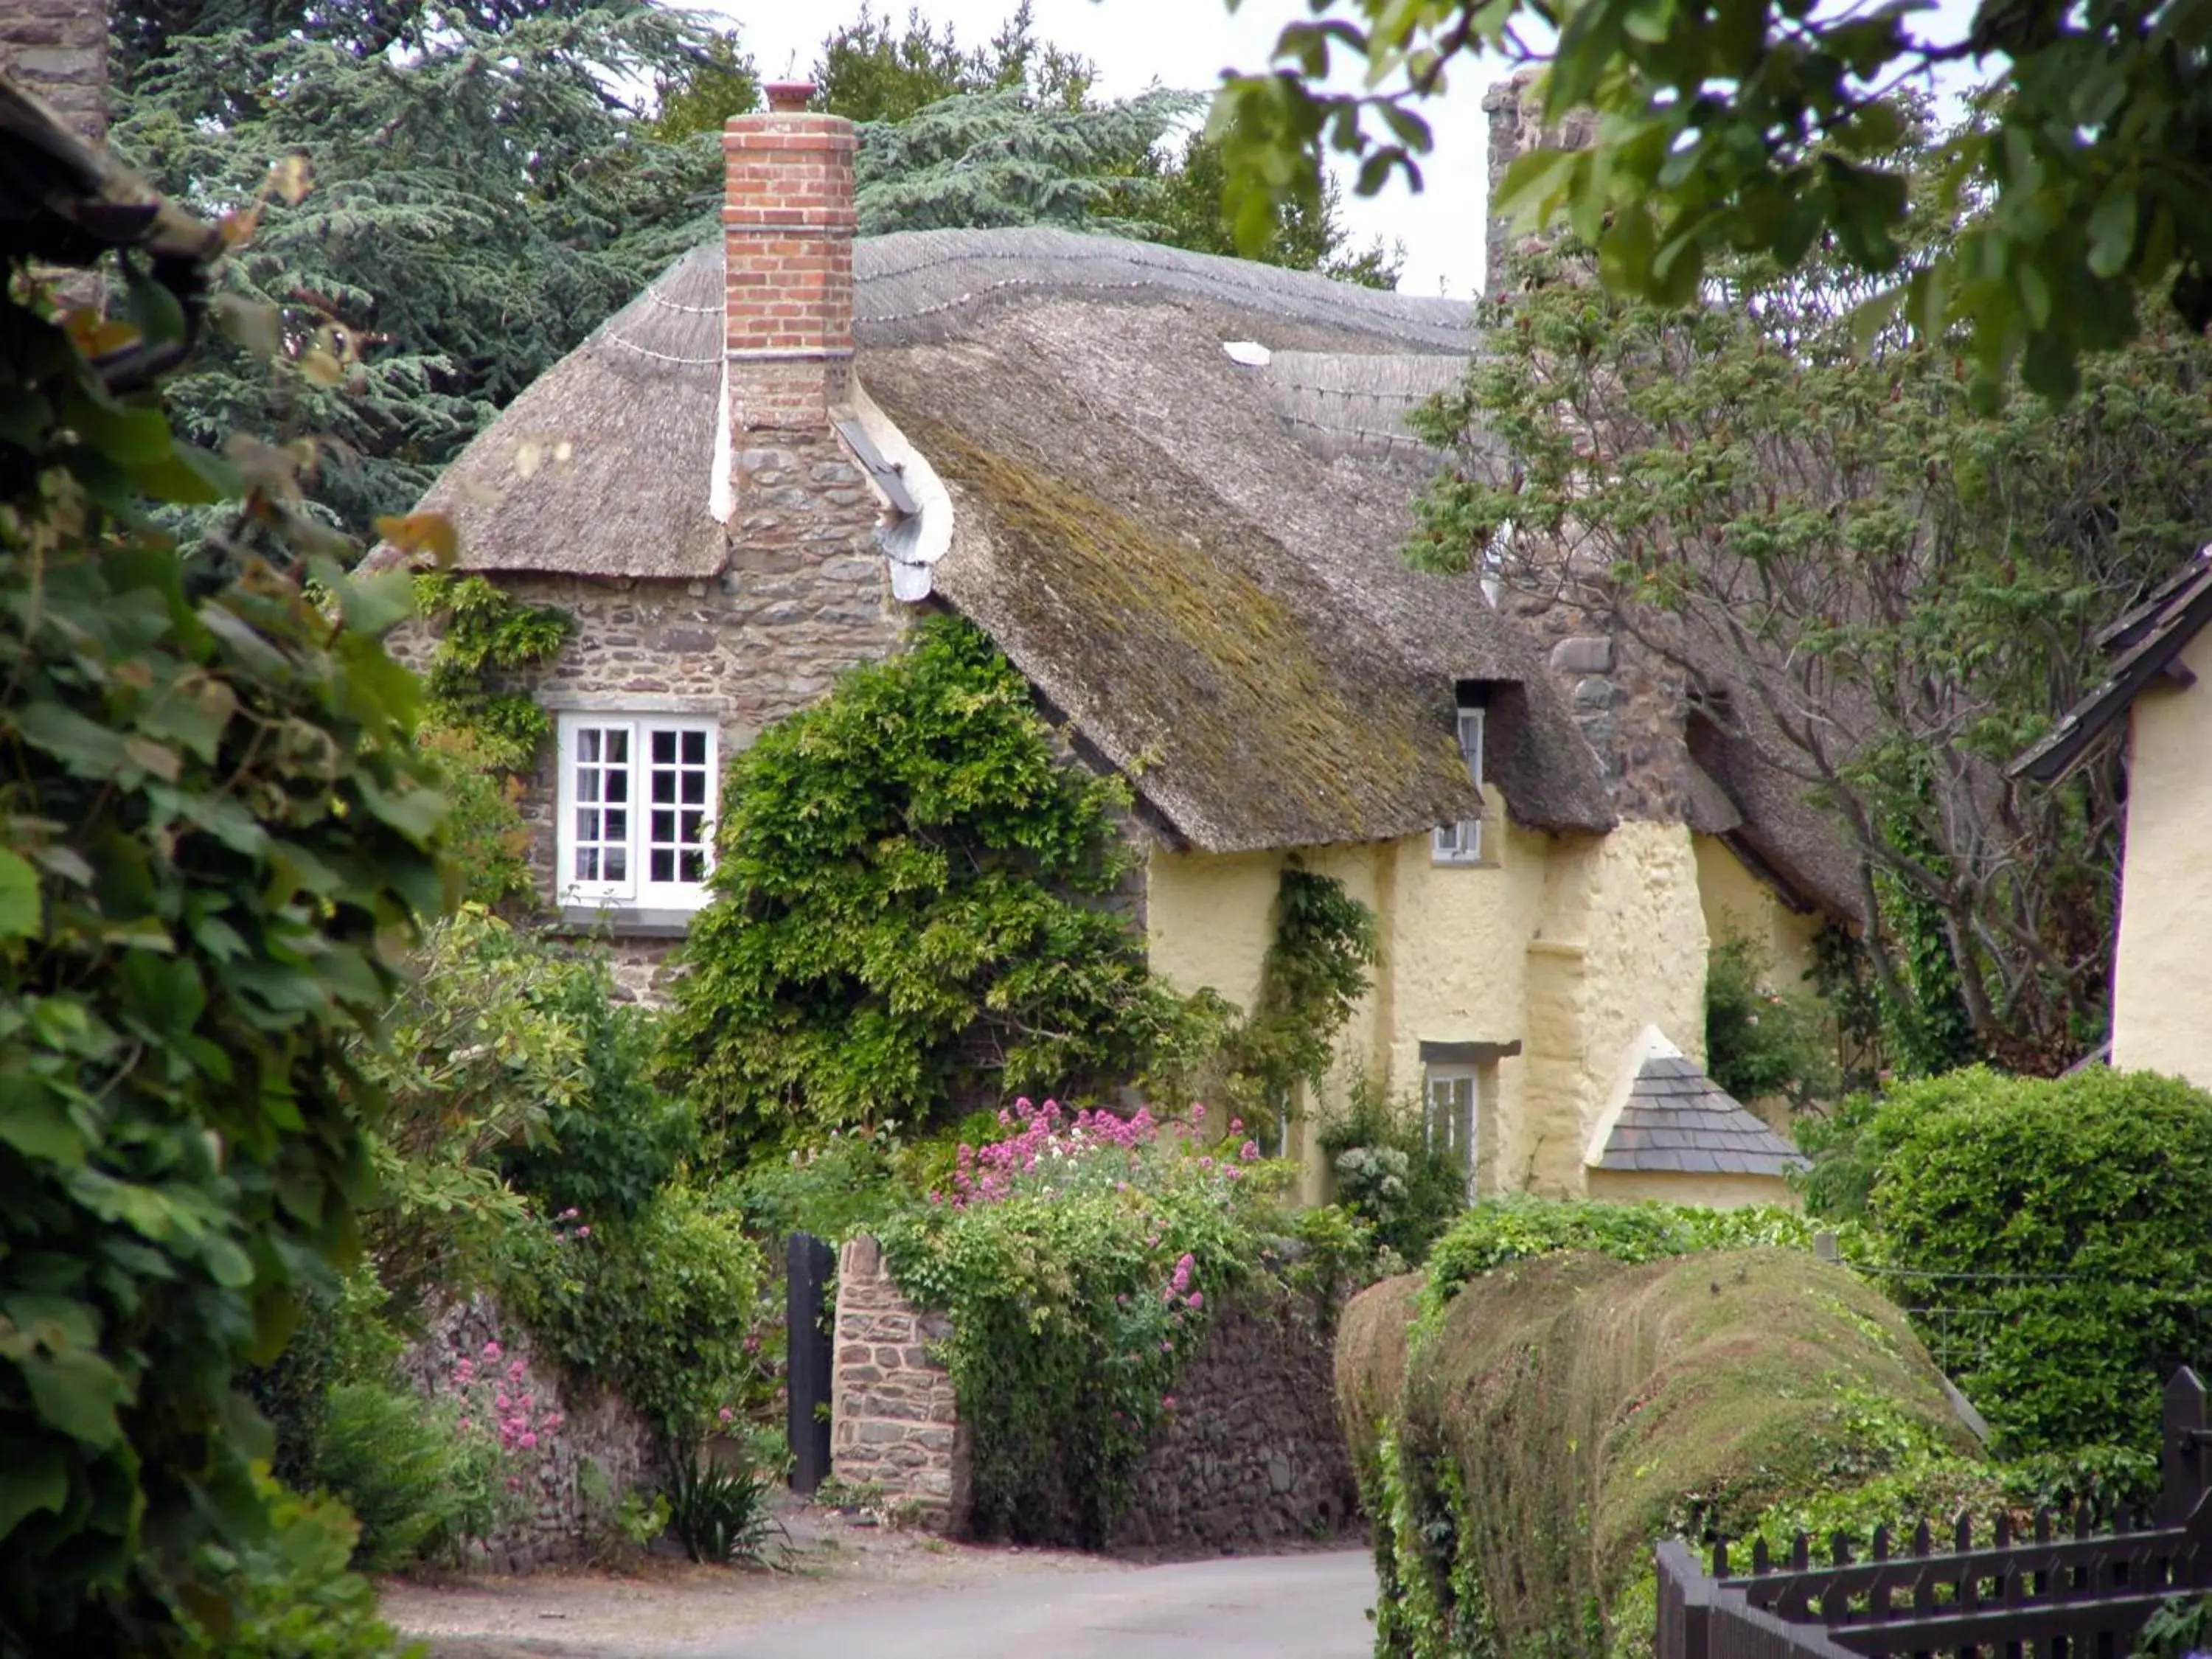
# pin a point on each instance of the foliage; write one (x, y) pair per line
(1498, 1230)
(2073, 1211)
(1555, 1418)
(721, 1511)
(986, 160)
(291, 1593)
(472, 1061)
(905, 915)
(341, 1337)
(699, 97)
(396, 1467)
(608, 1151)
(1387, 1174)
(2179, 1627)
(846, 1184)
(1076, 1268)
(214, 841)
(662, 1308)
(1891, 594)
(439, 267)
(1724, 127)
(868, 71)
(1760, 1043)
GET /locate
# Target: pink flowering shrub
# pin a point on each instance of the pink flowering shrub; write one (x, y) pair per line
(1080, 1255)
(505, 1435)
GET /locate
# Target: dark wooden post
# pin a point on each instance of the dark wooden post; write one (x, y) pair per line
(807, 1265)
(2182, 1467)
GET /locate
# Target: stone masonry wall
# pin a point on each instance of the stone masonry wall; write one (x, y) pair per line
(58, 50)
(1252, 1456)
(561, 1520)
(894, 1423)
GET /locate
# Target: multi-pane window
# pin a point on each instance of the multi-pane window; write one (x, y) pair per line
(636, 810)
(1447, 1119)
(1462, 842)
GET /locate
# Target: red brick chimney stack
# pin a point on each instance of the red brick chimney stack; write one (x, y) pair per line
(787, 225)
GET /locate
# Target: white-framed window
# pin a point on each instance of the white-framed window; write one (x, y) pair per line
(635, 814)
(1462, 842)
(1448, 1097)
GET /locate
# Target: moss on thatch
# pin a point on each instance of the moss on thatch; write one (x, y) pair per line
(1222, 694)
(1585, 1408)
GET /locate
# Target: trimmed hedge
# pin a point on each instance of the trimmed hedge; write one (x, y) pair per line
(1522, 1445)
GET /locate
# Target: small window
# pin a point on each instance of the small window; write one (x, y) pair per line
(1448, 1121)
(1462, 842)
(636, 811)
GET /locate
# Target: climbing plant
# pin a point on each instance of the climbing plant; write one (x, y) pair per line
(910, 912)
(487, 734)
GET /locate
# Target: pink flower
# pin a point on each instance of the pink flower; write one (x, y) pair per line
(570, 1213)
(1206, 1163)
(514, 1372)
(583, 1232)
(1197, 1111)
(1168, 1401)
(1248, 1151)
(503, 1402)
(462, 1427)
(528, 1441)
(1196, 1299)
(492, 1350)
(726, 1414)
(1236, 1126)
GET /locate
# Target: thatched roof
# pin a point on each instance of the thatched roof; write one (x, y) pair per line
(1800, 848)
(1195, 560)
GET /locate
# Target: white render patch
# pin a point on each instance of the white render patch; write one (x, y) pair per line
(722, 487)
(1247, 353)
(912, 542)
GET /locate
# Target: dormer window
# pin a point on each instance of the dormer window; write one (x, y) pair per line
(1462, 842)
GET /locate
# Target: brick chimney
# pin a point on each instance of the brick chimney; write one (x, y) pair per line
(788, 228)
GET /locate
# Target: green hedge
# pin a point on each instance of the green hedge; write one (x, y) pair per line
(1556, 1416)
(2077, 1216)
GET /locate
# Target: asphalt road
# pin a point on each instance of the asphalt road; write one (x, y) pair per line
(1283, 1607)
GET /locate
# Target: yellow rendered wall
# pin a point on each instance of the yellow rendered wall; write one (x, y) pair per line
(1619, 944)
(1737, 902)
(1568, 945)
(1714, 1192)
(2162, 973)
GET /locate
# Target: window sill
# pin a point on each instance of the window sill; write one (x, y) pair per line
(626, 921)
(1464, 864)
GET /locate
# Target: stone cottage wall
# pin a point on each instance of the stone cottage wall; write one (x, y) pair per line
(58, 50)
(1251, 1456)
(561, 1521)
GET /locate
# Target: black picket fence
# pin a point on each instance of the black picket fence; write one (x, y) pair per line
(2060, 1589)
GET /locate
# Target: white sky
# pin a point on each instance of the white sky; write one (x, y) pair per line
(1187, 43)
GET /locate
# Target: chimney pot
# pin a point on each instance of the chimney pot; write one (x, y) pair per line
(789, 97)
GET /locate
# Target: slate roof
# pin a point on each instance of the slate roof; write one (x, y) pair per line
(1679, 1121)
(2145, 644)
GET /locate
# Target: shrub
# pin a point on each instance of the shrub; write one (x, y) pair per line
(1498, 1230)
(1387, 1174)
(1076, 1257)
(845, 1184)
(2066, 1220)
(608, 1149)
(664, 1308)
(289, 1593)
(1552, 1420)
(393, 1458)
(720, 1512)
(216, 839)
(906, 916)
(1761, 1042)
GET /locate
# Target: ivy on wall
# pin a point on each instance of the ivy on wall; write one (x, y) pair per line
(487, 736)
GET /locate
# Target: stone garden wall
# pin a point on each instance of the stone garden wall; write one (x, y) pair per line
(893, 1421)
(561, 1521)
(1251, 1456)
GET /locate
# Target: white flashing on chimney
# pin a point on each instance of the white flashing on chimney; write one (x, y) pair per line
(1650, 1043)
(912, 542)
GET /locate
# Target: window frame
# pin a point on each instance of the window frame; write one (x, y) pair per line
(636, 888)
(1462, 842)
(1461, 1143)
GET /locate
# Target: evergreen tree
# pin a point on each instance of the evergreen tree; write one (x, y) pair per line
(477, 205)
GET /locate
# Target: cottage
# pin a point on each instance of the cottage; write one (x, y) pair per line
(1173, 489)
(2161, 969)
